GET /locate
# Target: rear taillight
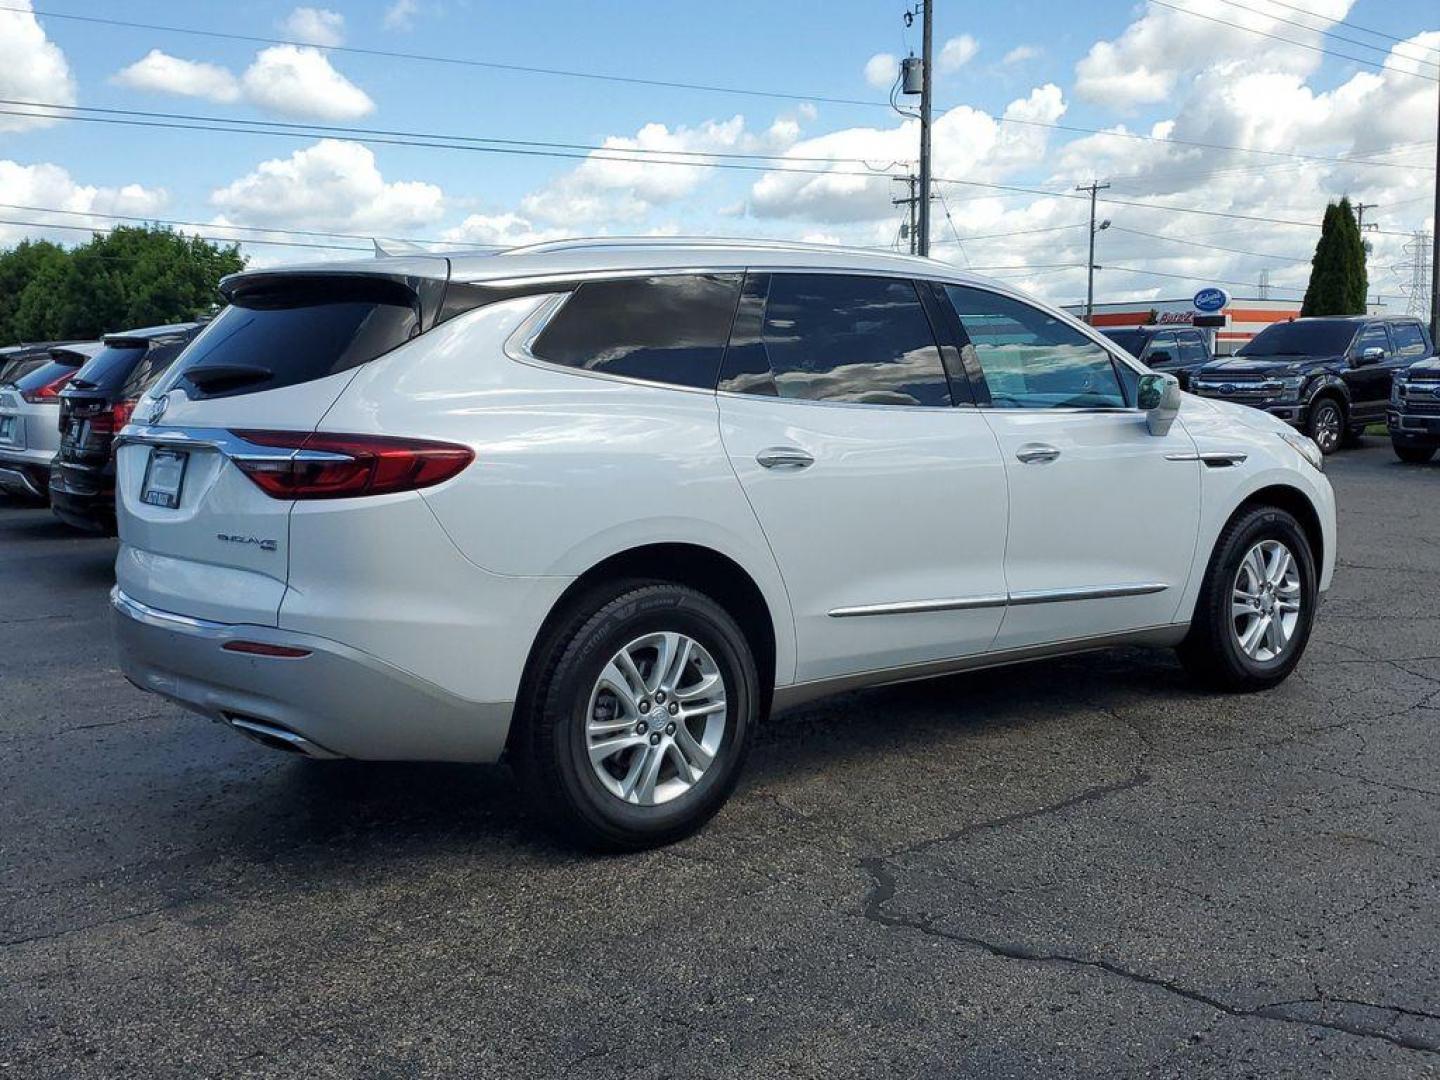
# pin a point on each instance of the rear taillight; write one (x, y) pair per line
(114, 418)
(49, 392)
(327, 466)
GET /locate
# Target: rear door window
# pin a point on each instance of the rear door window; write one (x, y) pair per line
(670, 328)
(294, 330)
(1409, 340)
(1192, 348)
(839, 338)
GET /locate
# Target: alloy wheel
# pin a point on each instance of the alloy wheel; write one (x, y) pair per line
(1265, 601)
(1326, 426)
(656, 718)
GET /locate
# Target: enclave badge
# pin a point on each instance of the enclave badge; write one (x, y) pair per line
(263, 545)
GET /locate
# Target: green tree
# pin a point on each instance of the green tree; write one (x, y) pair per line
(127, 278)
(1338, 280)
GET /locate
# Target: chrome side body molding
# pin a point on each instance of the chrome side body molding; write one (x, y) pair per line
(1014, 599)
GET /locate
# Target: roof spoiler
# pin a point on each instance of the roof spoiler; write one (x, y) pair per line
(295, 288)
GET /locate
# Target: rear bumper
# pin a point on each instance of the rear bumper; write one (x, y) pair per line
(86, 504)
(337, 701)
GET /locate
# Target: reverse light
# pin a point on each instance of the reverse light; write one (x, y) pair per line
(330, 466)
(49, 392)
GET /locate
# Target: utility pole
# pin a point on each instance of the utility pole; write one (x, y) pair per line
(1435, 240)
(1360, 209)
(922, 246)
(911, 201)
(1094, 188)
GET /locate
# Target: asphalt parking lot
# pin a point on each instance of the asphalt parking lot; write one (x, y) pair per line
(1078, 868)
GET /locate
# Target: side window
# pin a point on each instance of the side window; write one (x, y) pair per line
(665, 329)
(1031, 359)
(148, 371)
(1160, 343)
(1409, 340)
(1374, 336)
(1192, 348)
(835, 337)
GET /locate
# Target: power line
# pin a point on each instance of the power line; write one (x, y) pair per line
(605, 77)
(1291, 41)
(1353, 26)
(1320, 30)
(1202, 244)
(208, 239)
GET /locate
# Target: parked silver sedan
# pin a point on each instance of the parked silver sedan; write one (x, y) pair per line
(30, 420)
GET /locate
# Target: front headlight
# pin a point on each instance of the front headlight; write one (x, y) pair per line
(1290, 385)
(1397, 391)
(1305, 446)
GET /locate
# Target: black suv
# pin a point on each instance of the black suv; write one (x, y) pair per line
(1414, 414)
(1327, 376)
(1175, 350)
(93, 408)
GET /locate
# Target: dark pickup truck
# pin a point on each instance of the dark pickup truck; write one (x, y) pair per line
(1329, 377)
(1175, 350)
(1414, 414)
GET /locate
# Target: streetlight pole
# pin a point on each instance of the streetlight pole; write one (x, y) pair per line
(922, 246)
(1094, 189)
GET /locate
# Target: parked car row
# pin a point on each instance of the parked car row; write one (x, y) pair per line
(1329, 377)
(61, 405)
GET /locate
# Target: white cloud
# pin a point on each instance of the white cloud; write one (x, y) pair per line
(52, 186)
(1143, 65)
(332, 184)
(1020, 54)
(32, 67)
(957, 52)
(401, 14)
(881, 69)
(161, 72)
(503, 230)
(300, 82)
(315, 26)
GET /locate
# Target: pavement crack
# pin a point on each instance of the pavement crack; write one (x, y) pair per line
(31, 939)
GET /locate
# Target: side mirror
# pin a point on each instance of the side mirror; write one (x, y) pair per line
(1372, 355)
(1159, 397)
(1158, 357)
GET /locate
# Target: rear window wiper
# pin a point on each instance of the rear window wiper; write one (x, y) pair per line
(213, 377)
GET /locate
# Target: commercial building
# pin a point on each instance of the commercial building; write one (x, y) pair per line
(1245, 316)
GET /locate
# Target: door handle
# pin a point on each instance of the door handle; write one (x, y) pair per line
(784, 457)
(1037, 454)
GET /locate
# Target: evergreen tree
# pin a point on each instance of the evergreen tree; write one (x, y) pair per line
(1338, 281)
(121, 280)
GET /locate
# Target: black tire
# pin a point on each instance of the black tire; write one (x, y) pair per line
(1326, 424)
(550, 745)
(1414, 455)
(1211, 651)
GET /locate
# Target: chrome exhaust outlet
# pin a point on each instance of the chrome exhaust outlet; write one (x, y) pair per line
(278, 738)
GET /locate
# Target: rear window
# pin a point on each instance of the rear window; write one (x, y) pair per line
(47, 373)
(666, 329)
(295, 332)
(110, 367)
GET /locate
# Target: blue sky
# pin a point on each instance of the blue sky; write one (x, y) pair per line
(1103, 65)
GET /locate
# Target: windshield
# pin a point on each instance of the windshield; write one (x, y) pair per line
(1321, 337)
(1132, 341)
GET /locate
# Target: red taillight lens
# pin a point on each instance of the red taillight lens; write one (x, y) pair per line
(50, 391)
(107, 423)
(347, 466)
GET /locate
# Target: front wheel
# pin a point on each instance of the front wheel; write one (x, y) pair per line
(1327, 425)
(1415, 455)
(641, 716)
(1256, 605)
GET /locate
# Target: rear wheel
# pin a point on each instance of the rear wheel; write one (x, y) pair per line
(1415, 455)
(1326, 425)
(1256, 605)
(640, 718)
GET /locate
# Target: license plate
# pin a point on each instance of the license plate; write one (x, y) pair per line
(76, 434)
(164, 477)
(7, 429)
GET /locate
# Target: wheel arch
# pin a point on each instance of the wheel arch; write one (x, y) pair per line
(701, 568)
(1298, 505)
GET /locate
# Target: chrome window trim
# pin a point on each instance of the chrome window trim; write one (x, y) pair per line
(1024, 598)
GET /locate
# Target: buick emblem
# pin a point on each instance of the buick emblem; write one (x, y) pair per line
(158, 409)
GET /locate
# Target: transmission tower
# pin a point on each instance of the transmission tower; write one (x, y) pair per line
(1264, 285)
(1415, 271)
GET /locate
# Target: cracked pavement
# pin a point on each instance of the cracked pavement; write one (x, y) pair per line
(1077, 868)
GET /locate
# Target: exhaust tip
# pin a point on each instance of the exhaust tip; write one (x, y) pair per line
(276, 737)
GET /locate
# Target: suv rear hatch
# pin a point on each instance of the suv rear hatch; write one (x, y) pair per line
(202, 471)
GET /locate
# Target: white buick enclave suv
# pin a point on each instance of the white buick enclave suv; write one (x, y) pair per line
(601, 506)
